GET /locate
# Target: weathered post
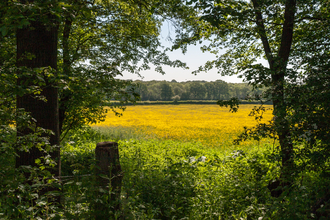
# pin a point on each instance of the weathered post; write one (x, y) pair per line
(108, 179)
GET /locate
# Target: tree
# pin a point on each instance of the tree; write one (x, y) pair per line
(197, 90)
(37, 60)
(272, 30)
(142, 90)
(221, 89)
(111, 37)
(209, 91)
(97, 41)
(178, 88)
(309, 96)
(166, 91)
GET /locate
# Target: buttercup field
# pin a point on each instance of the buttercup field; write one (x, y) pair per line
(211, 125)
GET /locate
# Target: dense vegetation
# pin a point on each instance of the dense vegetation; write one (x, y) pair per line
(194, 90)
(167, 179)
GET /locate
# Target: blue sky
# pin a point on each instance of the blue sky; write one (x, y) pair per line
(193, 57)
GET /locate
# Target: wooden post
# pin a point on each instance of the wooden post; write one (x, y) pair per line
(109, 178)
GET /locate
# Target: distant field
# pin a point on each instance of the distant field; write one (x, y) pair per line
(208, 124)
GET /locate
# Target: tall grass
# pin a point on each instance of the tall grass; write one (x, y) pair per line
(170, 179)
(179, 163)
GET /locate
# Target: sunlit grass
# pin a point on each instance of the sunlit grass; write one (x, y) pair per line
(209, 124)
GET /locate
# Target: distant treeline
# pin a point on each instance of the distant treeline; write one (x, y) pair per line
(192, 90)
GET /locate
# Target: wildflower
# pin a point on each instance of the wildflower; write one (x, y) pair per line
(202, 159)
(209, 124)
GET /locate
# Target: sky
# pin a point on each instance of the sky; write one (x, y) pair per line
(194, 58)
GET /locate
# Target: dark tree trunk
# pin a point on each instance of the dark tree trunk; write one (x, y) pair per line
(40, 41)
(278, 79)
(278, 66)
(65, 96)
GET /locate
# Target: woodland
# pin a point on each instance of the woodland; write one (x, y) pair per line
(194, 90)
(59, 60)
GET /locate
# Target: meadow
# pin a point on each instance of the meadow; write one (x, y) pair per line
(179, 162)
(211, 125)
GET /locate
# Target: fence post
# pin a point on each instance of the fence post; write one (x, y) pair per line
(108, 180)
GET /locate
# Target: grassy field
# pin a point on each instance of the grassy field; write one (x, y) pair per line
(210, 125)
(179, 163)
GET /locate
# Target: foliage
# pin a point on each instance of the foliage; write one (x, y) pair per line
(91, 33)
(97, 42)
(164, 179)
(286, 34)
(196, 90)
(166, 91)
(22, 193)
(116, 36)
(175, 99)
(167, 179)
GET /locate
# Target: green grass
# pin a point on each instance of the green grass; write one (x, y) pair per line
(166, 179)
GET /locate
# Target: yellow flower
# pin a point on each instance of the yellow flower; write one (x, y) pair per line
(210, 124)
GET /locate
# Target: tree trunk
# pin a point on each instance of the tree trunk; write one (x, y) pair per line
(278, 79)
(40, 41)
(278, 66)
(65, 96)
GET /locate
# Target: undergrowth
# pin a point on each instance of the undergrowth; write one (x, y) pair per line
(167, 179)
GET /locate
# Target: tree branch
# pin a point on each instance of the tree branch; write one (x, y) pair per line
(287, 33)
(262, 33)
(311, 18)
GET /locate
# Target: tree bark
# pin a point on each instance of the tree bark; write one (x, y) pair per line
(65, 97)
(40, 41)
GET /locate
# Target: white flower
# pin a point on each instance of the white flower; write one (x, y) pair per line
(192, 159)
(314, 126)
(202, 158)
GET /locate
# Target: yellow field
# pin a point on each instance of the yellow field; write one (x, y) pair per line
(209, 124)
